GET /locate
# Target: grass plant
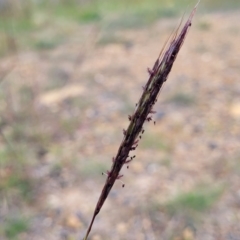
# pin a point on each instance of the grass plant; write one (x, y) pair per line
(143, 113)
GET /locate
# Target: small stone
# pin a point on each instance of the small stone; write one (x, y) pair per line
(73, 221)
(188, 234)
(235, 110)
(212, 145)
(137, 167)
(96, 237)
(122, 228)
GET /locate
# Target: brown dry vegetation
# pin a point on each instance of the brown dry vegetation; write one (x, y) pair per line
(62, 115)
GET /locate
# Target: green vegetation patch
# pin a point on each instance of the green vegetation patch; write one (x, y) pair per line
(204, 25)
(21, 20)
(92, 168)
(46, 44)
(195, 201)
(155, 142)
(21, 184)
(15, 226)
(78, 13)
(182, 99)
(220, 5)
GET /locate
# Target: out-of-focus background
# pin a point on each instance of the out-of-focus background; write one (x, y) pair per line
(70, 73)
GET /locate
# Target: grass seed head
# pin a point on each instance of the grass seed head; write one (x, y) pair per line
(157, 76)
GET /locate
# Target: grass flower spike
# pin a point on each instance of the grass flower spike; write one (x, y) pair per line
(144, 112)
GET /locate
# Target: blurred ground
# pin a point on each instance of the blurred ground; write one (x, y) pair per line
(64, 100)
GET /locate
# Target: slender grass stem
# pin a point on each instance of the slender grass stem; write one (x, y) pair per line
(143, 112)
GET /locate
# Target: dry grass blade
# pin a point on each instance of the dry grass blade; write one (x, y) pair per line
(143, 112)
